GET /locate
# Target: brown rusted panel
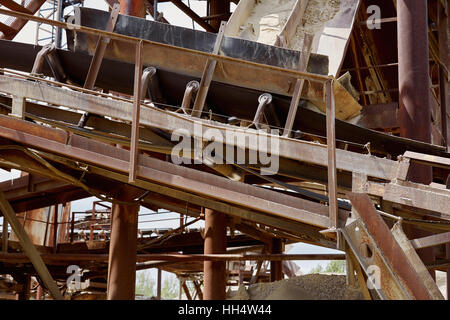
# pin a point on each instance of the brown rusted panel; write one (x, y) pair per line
(63, 232)
(392, 252)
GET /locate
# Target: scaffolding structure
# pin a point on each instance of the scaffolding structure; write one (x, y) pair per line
(359, 142)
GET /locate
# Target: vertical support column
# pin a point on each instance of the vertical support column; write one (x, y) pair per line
(60, 17)
(18, 107)
(55, 228)
(414, 78)
(72, 227)
(414, 90)
(5, 235)
(443, 77)
(331, 145)
(217, 7)
(135, 8)
(276, 267)
(134, 150)
(122, 249)
(158, 285)
(215, 242)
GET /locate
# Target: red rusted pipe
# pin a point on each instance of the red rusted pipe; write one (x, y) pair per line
(414, 78)
(276, 267)
(135, 8)
(214, 278)
(122, 249)
(414, 86)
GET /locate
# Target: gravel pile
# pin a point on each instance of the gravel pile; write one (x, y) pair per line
(307, 287)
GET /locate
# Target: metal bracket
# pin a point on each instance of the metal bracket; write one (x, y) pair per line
(97, 59)
(303, 64)
(264, 100)
(145, 81)
(207, 75)
(191, 88)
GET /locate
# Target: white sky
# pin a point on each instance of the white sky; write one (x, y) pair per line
(176, 17)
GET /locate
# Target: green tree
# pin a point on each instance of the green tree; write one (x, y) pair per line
(316, 269)
(170, 288)
(145, 285)
(336, 266)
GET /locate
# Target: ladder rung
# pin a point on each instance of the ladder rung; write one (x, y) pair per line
(10, 4)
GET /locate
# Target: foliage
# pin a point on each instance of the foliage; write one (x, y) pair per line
(145, 285)
(335, 266)
(170, 288)
(316, 269)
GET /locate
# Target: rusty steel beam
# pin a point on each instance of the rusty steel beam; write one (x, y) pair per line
(430, 241)
(302, 66)
(414, 78)
(196, 181)
(64, 258)
(215, 274)
(331, 148)
(18, 23)
(217, 7)
(207, 76)
(443, 68)
(390, 249)
(122, 248)
(276, 267)
(135, 123)
(135, 8)
(100, 49)
(414, 90)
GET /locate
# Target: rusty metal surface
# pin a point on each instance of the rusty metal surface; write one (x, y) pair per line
(135, 8)
(118, 76)
(190, 64)
(214, 278)
(389, 249)
(414, 78)
(122, 249)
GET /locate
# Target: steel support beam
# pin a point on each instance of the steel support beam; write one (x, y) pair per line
(414, 89)
(414, 78)
(391, 252)
(276, 267)
(122, 250)
(443, 68)
(218, 7)
(215, 242)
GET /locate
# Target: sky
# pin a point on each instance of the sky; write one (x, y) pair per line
(176, 17)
